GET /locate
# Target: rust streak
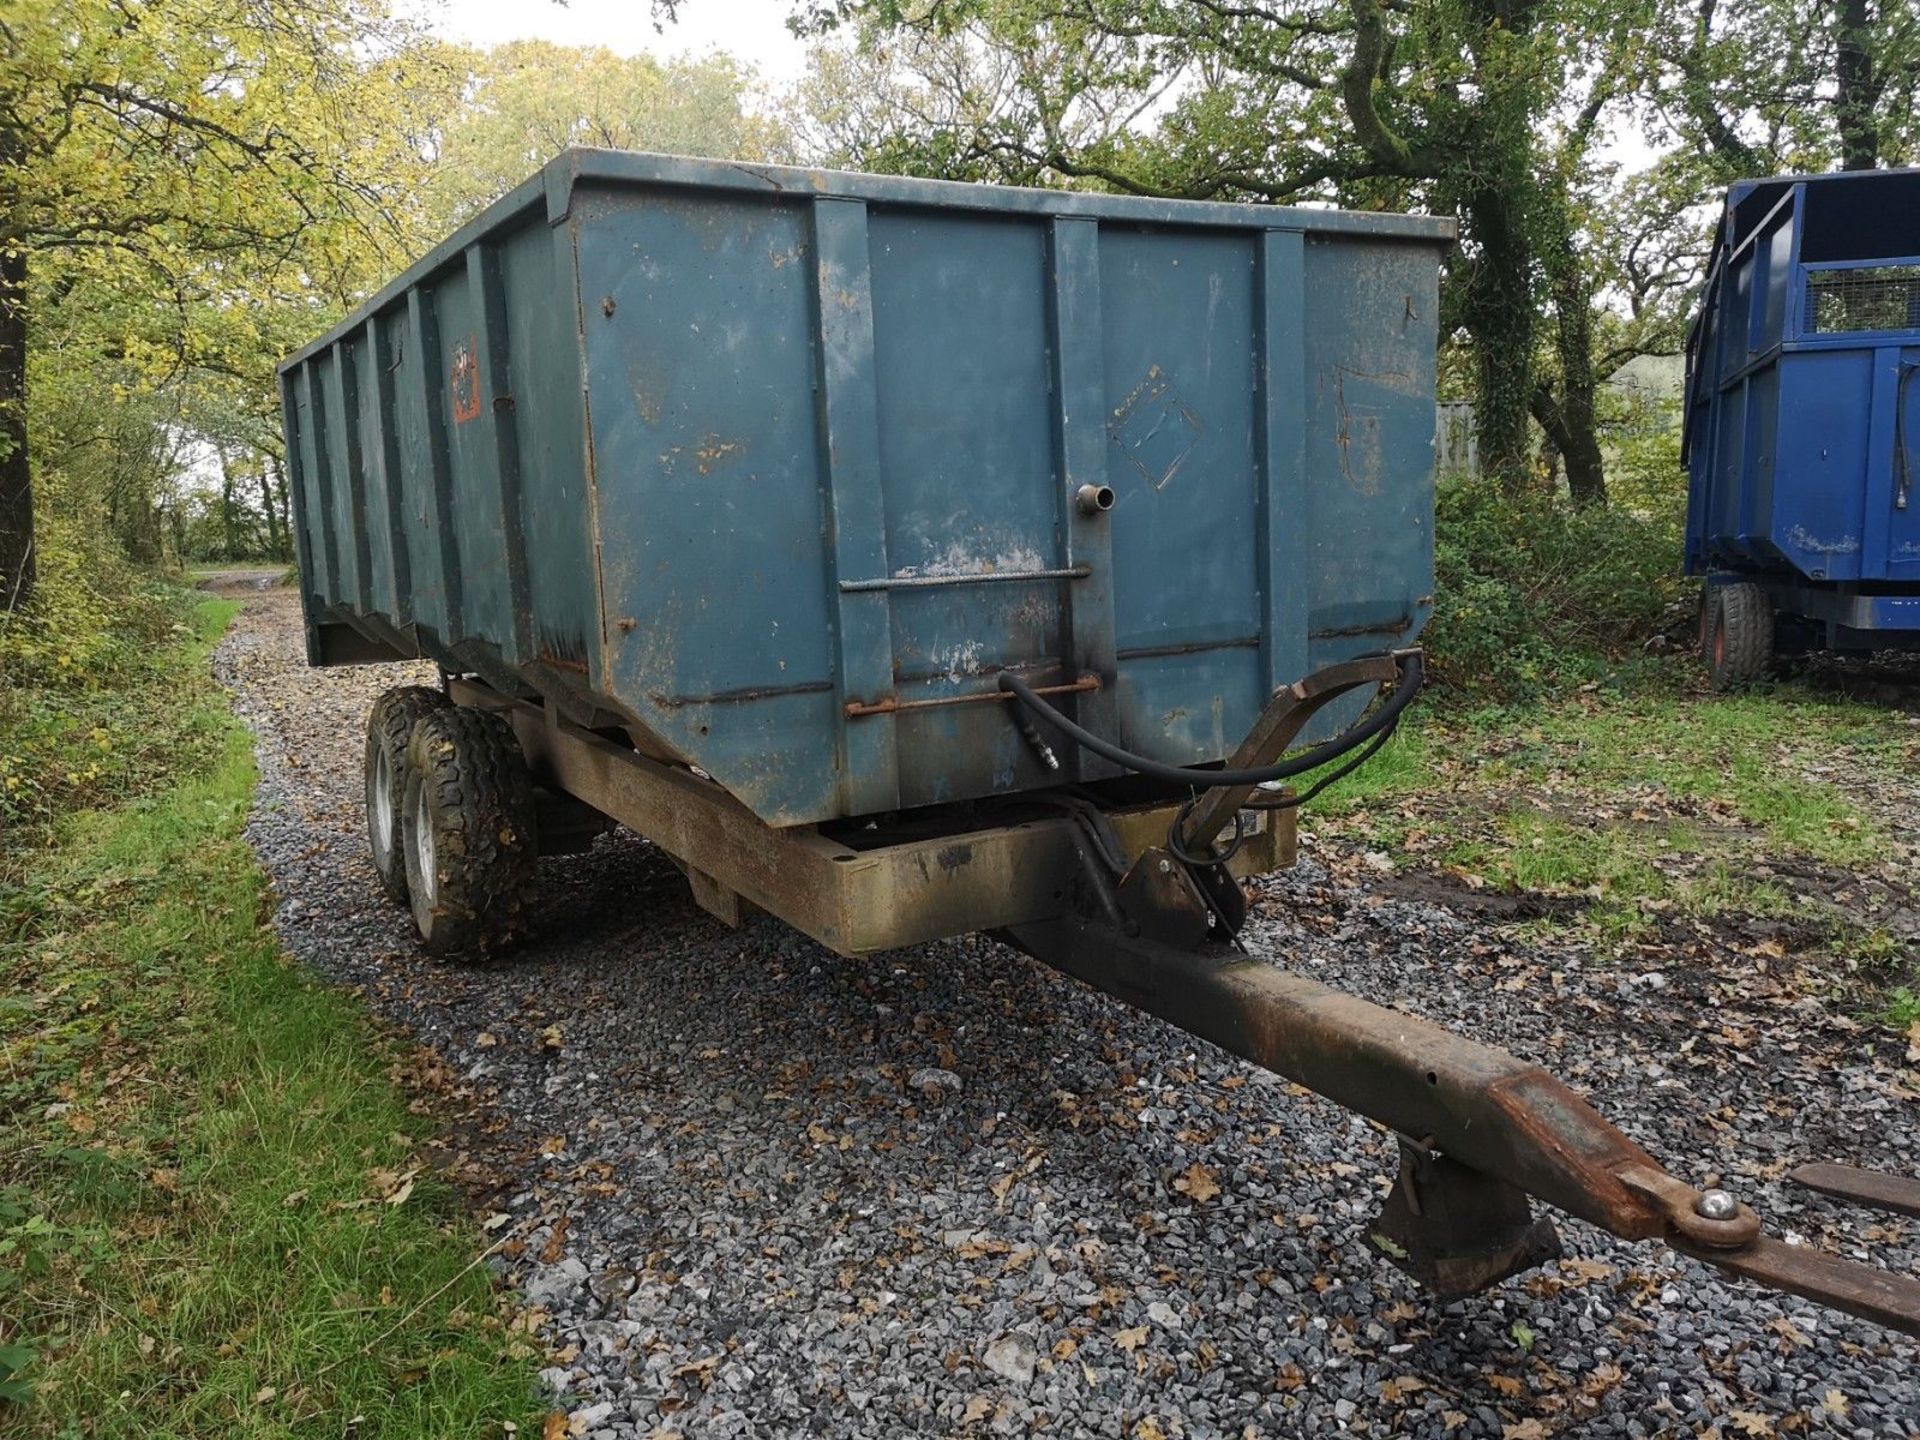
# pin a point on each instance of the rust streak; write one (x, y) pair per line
(857, 708)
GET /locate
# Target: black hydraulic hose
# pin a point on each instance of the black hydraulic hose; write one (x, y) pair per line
(1332, 777)
(1412, 673)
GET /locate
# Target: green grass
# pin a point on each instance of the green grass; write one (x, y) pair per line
(205, 1225)
(1661, 802)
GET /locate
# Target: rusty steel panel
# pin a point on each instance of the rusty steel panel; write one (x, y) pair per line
(776, 466)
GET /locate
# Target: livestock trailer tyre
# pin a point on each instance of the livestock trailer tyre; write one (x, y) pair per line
(389, 724)
(468, 827)
(1737, 634)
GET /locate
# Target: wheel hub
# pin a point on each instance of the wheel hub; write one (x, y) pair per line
(380, 804)
(423, 853)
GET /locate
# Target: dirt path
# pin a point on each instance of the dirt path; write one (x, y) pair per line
(737, 1215)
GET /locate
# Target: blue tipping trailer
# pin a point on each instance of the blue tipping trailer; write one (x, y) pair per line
(903, 559)
(782, 469)
(1802, 427)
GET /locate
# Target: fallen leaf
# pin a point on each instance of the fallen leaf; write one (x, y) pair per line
(1148, 1429)
(1199, 1183)
(1131, 1339)
(1527, 1429)
(1602, 1379)
(978, 1409)
(1836, 1404)
(399, 1196)
(1397, 1389)
(1507, 1385)
(555, 1426)
(701, 1370)
(1065, 1349)
(1787, 1330)
(1751, 1422)
(264, 1396)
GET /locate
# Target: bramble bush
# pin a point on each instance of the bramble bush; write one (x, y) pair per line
(1532, 596)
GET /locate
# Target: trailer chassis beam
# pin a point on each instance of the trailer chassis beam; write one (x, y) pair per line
(1480, 1129)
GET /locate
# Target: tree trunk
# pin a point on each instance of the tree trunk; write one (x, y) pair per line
(270, 508)
(1577, 435)
(281, 504)
(1586, 469)
(229, 507)
(1855, 92)
(1498, 312)
(17, 559)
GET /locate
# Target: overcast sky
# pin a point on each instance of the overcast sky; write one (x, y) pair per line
(752, 30)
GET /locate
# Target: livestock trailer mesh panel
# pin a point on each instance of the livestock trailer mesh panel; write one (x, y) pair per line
(778, 470)
(1880, 297)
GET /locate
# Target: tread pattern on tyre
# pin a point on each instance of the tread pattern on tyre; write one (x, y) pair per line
(1743, 626)
(389, 725)
(480, 799)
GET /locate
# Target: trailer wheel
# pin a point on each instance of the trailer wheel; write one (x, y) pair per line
(389, 724)
(1736, 632)
(468, 822)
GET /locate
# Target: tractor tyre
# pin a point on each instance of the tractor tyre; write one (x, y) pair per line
(471, 844)
(1737, 634)
(389, 724)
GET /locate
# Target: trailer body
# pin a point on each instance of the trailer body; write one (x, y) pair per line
(779, 469)
(1802, 437)
(793, 520)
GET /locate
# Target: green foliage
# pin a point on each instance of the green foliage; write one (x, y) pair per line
(197, 188)
(1533, 595)
(209, 1218)
(1637, 810)
(1903, 1008)
(524, 102)
(89, 711)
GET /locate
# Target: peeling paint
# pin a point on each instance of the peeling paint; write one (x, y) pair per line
(960, 560)
(713, 450)
(962, 660)
(1801, 539)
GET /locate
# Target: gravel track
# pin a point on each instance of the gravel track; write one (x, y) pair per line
(756, 1189)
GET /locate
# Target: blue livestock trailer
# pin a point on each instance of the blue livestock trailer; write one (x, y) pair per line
(1803, 421)
(907, 559)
